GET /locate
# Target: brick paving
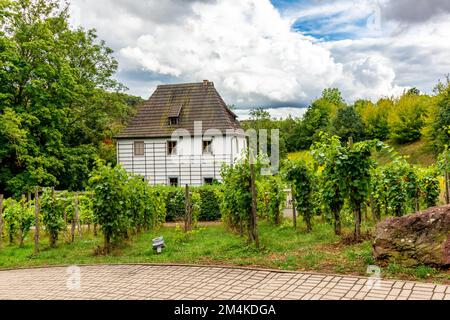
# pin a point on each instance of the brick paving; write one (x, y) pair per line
(198, 282)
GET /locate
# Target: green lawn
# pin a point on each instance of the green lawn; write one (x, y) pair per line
(282, 248)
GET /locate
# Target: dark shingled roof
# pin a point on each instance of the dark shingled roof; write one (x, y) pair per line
(193, 101)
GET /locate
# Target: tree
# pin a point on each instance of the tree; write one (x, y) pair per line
(407, 118)
(440, 131)
(58, 100)
(348, 123)
(374, 118)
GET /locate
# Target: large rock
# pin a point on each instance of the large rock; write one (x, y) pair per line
(421, 238)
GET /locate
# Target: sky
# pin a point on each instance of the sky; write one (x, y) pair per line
(277, 54)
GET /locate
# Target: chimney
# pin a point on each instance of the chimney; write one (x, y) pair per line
(205, 83)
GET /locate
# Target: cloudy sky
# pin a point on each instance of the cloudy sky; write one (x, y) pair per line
(278, 54)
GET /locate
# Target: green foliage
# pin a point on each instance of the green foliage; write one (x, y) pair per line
(175, 204)
(110, 202)
(348, 123)
(302, 178)
(209, 203)
(237, 197)
(12, 210)
(331, 189)
(352, 165)
(429, 186)
(407, 117)
(271, 198)
(440, 131)
(59, 104)
(124, 203)
(52, 215)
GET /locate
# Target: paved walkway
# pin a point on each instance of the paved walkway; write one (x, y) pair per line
(187, 282)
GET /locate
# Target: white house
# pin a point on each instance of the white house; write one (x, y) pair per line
(181, 135)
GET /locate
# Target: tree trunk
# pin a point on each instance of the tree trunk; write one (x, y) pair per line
(1, 220)
(95, 229)
(308, 223)
(253, 226)
(337, 222)
(107, 243)
(277, 216)
(36, 220)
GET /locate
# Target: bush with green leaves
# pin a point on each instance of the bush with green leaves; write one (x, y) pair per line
(302, 178)
(352, 165)
(271, 198)
(209, 203)
(18, 217)
(429, 186)
(124, 203)
(175, 204)
(52, 215)
(110, 202)
(330, 183)
(237, 197)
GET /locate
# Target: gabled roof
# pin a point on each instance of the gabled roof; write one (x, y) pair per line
(190, 101)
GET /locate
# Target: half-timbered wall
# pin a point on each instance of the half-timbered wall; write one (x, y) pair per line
(189, 165)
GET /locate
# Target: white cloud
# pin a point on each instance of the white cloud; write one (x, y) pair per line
(252, 54)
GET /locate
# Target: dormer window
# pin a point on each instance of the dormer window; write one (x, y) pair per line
(174, 115)
(173, 121)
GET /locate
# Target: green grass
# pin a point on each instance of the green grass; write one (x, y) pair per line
(418, 152)
(281, 248)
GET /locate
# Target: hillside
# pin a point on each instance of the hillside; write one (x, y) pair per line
(417, 152)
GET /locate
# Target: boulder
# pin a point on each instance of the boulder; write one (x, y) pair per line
(421, 238)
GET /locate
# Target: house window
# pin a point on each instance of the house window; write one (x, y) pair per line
(207, 147)
(173, 181)
(208, 180)
(173, 120)
(171, 148)
(139, 148)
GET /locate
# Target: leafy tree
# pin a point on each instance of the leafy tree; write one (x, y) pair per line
(348, 123)
(440, 131)
(58, 105)
(407, 118)
(374, 118)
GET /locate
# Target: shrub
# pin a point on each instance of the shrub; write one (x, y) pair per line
(110, 202)
(19, 218)
(52, 215)
(175, 204)
(209, 204)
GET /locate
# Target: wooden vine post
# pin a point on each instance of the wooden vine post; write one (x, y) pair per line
(36, 220)
(1, 220)
(294, 211)
(75, 217)
(253, 231)
(188, 211)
